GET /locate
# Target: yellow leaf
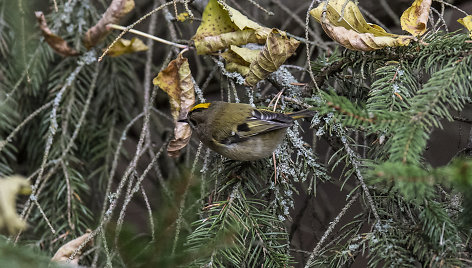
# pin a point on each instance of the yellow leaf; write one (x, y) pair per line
(247, 54)
(124, 46)
(467, 22)
(210, 44)
(176, 81)
(182, 16)
(344, 23)
(277, 49)
(223, 26)
(415, 18)
(10, 187)
(238, 59)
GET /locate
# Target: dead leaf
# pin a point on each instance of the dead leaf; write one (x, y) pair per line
(238, 59)
(10, 187)
(344, 23)
(223, 26)
(54, 41)
(124, 46)
(176, 81)
(63, 253)
(277, 49)
(415, 18)
(467, 22)
(117, 10)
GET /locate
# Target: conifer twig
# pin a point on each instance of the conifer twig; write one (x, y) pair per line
(22, 124)
(310, 68)
(355, 163)
(328, 231)
(182, 200)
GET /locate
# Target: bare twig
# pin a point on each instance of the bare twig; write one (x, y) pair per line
(132, 25)
(115, 11)
(22, 124)
(328, 231)
(307, 21)
(155, 38)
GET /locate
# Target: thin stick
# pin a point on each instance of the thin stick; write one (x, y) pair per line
(22, 124)
(155, 38)
(330, 229)
(273, 154)
(131, 26)
(310, 69)
(55, 6)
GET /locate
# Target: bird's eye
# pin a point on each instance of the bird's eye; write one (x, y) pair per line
(192, 122)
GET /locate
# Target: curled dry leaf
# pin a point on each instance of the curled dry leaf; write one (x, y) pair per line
(54, 41)
(344, 23)
(63, 253)
(277, 49)
(117, 10)
(238, 59)
(467, 22)
(10, 187)
(415, 18)
(223, 26)
(176, 81)
(124, 46)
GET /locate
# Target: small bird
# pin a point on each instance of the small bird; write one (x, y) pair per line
(239, 131)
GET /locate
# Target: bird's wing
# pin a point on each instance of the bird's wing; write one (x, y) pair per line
(259, 122)
(263, 121)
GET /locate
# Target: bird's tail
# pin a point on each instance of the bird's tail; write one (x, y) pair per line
(302, 114)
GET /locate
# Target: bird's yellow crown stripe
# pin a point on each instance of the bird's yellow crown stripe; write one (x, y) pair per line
(201, 105)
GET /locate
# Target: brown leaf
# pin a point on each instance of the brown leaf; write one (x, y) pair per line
(10, 187)
(176, 81)
(277, 49)
(54, 41)
(63, 253)
(344, 23)
(117, 10)
(415, 18)
(124, 46)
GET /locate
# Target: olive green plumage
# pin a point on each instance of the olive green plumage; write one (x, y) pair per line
(240, 131)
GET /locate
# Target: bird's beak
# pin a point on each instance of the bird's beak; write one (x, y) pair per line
(183, 120)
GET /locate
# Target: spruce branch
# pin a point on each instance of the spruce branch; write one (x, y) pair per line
(22, 124)
(354, 160)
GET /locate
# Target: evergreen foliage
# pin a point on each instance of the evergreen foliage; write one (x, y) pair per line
(91, 136)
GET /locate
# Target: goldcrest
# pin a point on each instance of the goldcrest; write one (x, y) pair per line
(239, 131)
